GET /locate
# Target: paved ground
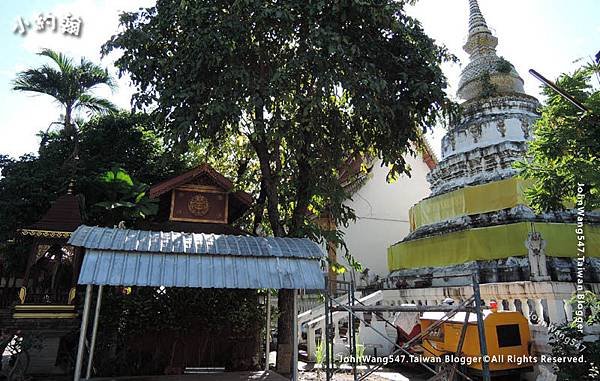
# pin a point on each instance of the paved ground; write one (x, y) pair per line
(385, 375)
(403, 375)
(227, 376)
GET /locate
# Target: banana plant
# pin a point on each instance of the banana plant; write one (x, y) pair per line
(125, 198)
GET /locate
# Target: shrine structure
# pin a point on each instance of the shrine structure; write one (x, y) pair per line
(477, 218)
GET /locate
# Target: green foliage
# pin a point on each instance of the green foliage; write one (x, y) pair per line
(29, 184)
(503, 66)
(153, 309)
(565, 150)
(126, 199)
(562, 343)
(147, 313)
(339, 269)
(302, 86)
(70, 85)
(26, 188)
(320, 353)
(591, 306)
(359, 349)
(566, 341)
(117, 176)
(488, 89)
(291, 89)
(127, 141)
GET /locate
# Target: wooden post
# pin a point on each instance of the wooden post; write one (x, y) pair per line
(268, 333)
(295, 338)
(30, 262)
(77, 259)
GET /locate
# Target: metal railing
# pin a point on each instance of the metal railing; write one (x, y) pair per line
(470, 305)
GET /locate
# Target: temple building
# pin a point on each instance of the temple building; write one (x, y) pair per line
(46, 300)
(188, 263)
(477, 221)
(381, 210)
(477, 217)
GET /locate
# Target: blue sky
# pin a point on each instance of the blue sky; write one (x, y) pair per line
(547, 35)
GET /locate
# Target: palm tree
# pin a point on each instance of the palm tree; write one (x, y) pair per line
(70, 85)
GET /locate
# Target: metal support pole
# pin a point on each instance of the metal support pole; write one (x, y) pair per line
(268, 333)
(480, 327)
(325, 331)
(433, 326)
(82, 332)
(351, 330)
(94, 333)
(295, 339)
(461, 341)
(560, 91)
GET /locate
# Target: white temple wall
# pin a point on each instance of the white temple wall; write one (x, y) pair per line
(382, 214)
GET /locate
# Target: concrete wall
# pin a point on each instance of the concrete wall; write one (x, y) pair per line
(382, 214)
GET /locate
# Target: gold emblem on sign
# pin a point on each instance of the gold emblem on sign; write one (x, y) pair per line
(198, 205)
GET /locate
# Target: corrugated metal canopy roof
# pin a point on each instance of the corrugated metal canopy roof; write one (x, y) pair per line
(93, 237)
(121, 268)
(147, 258)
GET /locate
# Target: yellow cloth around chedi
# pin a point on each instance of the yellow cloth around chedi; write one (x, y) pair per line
(485, 243)
(478, 199)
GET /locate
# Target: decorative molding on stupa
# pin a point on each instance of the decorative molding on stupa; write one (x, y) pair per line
(472, 221)
(519, 213)
(485, 67)
(496, 121)
(482, 147)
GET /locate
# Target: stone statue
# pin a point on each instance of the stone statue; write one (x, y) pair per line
(536, 247)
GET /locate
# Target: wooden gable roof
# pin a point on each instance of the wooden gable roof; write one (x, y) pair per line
(239, 201)
(63, 217)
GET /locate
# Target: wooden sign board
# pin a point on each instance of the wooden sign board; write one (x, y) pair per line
(196, 203)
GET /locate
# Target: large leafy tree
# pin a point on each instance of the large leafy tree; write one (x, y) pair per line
(25, 188)
(29, 184)
(71, 85)
(299, 85)
(128, 141)
(566, 149)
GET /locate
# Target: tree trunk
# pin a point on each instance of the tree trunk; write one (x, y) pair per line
(269, 186)
(285, 298)
(302, 190)
(73, 133)
(285, 341)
